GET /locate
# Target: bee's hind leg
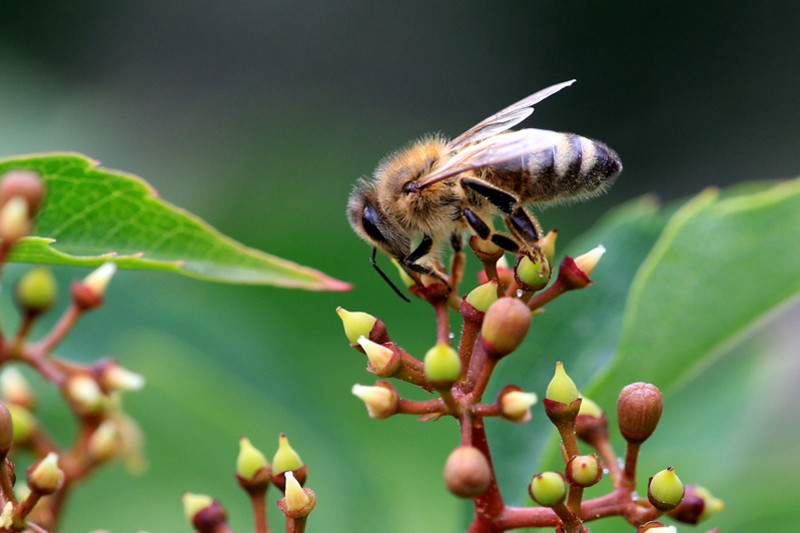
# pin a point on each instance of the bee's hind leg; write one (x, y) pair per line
(485, 232)
(523, 225)
(518, 221)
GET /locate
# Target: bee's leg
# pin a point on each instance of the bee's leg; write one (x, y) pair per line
(484, 232)
(503, 200)
(523, 225)
(456, 243)
(419, 252)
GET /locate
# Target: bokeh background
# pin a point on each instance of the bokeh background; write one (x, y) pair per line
(258, 116)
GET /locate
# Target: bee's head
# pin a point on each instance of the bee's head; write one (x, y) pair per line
(373, 225)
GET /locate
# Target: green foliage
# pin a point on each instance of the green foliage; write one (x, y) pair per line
(92, 215)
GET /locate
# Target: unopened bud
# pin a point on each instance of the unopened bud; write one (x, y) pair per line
(407, 280)
(588, 261)
(115, 377)
(356, 324)
(381, 359)
(97, 280)
(381, 400)
(15, 221)
(442, 365)
(285, 458)
(515, 405)
(504, 328)
(584, 470)
(547, 245)
(590, 408)
(532, 272)
(36, 291)
(656, 527)
(104, 442)
(296, 497)
(548, 489)
(467, 472)
(24, 423)
(697, 505)
(205, 514)
(44, 476)
(6, 431)
(483, 296)
(561, 388)
(85, 395)
(15, 388)
(7, 516)
(250, 460)
(639, 409)
(22, 183)
(194, 503)
(592, 423)
(665, 490)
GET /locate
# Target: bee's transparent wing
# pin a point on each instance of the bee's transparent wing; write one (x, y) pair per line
(494, 151)
(505, 119)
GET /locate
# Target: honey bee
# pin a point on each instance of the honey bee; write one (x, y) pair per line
(435, 189)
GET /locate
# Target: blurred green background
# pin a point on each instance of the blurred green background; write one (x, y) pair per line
(259, 116)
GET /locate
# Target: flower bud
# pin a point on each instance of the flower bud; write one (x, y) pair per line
(44, 476)
(24, 423)
(561, 388)
(296, 498)
(285, 457)
(15, 221)
(88, 293)
(483, 295)
(250, 460)
(515, 405)
(665, 490)
(532, 273)
(22, 183)
(505, 326)
(6, 431)
(485, 249)
(7, 516)
(115, 377)
(467, 472)
(592, 423)
(36, 291)
(104, 442)
(590, 408)
(382, 360)
(588, 261)
(356, 324)
(297, 502)
(381, 399)
(85, 395)
(697, 505)
(442, 365)
(639, 409)
(584, 470)
(547, 245)
(407, 280)
(656, 527)
(205, 514)
(548, 489)
(15, 388)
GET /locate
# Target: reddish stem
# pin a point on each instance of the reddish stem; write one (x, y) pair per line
(413, 407)
(631, 456)
(60, 330)
(258, 504)
(543, 298)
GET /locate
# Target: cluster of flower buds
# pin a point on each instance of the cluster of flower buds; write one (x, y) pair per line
(91, 391)
(497, 316)
(255, 474)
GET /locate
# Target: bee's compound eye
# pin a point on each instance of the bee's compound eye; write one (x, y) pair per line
(370, 220)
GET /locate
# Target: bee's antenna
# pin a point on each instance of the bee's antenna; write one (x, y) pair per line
(385, 277)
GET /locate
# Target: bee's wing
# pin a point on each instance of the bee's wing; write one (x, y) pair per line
(506, 118)
(493, 151)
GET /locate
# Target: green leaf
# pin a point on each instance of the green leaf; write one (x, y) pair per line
(720, 268)
(92, 215)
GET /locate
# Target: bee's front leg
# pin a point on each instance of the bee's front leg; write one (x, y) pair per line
(424, 247)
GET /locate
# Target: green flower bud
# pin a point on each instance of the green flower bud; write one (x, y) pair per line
(105, 442)
(285, 458)
(296, 498)
(442, 365)
(44, 476)
(547, 245)
(381, 400)
(584, 470)
(561, 388)
(194, 503)
(533, 275)
(548, 489)
(483, 296)
(37, 290)
(665, 490)
(590, 408)
(381, 358)
(24, 423)
(250, 460)
(356, 324)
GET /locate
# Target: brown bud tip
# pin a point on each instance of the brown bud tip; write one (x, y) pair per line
(467, 472)
(639, 408)
(24, 183)
(505, 326)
